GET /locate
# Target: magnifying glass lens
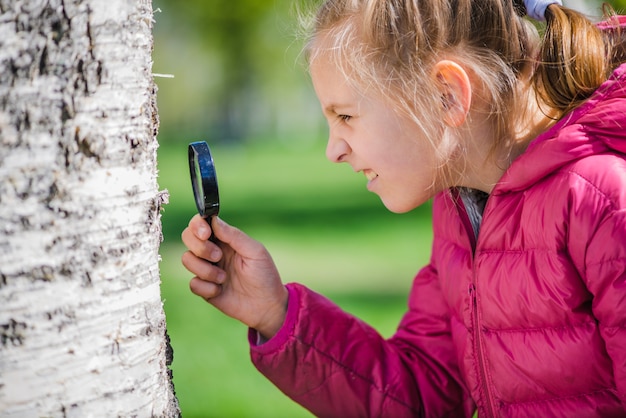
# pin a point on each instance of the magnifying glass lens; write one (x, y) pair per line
(198, 190)
(203, 179)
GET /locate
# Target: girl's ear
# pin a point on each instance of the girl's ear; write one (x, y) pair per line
(455, 89)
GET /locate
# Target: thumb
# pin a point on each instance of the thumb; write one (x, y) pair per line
(237, 239)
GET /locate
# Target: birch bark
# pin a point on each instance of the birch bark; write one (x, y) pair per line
(82, 327)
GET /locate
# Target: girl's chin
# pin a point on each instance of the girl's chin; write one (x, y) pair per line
(406, 199)
(398, 207)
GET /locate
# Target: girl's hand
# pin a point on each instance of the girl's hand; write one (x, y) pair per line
(236, 274)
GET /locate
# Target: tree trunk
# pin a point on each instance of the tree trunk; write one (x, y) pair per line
(82, 327)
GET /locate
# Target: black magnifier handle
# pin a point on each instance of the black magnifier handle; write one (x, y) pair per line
(203, 180)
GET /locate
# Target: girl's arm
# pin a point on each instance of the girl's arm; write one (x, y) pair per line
(337, 366)
(597, 246)
(605, 276)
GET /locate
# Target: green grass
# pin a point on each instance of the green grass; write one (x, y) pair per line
(323, 229)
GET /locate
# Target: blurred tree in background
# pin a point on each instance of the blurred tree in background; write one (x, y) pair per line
(237, 70)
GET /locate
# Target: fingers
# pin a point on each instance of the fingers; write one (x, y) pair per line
(200, 227)
(238, 240)
(196, 239)
(206, 290)
(209, 278)
(202, 269)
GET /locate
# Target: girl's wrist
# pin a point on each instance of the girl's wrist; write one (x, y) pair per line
(274, 317)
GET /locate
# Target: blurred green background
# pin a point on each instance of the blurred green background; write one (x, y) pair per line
(230, 73)
(322, 229)
(239, 84)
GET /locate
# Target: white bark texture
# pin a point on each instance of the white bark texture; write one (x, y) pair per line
(82, 327)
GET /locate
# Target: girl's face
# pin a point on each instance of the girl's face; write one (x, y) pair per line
(390, 150)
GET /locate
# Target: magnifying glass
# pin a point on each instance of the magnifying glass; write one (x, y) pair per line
(203, 180)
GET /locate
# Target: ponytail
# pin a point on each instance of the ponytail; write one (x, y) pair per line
(575, 58)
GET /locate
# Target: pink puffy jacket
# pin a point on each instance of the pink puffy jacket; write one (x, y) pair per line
(527, 320)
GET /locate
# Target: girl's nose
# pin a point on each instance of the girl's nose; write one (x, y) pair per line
(337, 149)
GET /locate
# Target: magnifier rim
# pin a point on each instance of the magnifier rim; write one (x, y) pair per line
(207, 200)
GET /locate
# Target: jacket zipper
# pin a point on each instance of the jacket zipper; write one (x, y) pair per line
(479, 350)
(472, 294)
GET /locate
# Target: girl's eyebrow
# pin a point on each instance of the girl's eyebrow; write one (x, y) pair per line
(332, 107)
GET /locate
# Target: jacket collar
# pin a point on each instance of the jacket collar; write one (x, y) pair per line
(596, 126)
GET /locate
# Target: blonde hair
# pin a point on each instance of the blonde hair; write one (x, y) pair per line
(387, 47)
(576, 57)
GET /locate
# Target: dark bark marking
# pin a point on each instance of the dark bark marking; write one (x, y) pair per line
(12, 333)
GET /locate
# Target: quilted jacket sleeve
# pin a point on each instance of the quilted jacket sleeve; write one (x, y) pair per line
(597, 245)
(337, 366)
(607, 281)
(605, 273)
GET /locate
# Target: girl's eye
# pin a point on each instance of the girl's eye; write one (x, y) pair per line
(344, 118)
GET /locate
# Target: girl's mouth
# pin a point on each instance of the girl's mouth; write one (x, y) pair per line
(370, 175)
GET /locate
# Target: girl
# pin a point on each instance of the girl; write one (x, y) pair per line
(520, 140)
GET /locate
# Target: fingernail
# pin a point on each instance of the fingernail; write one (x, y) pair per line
(215, 255)
(203, 232)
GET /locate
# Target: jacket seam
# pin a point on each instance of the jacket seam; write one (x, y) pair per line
(520, 252)
(538, 329)
(580, 395)
(616, 327)
(611, 260)
(611, 205)
(595, 187)
(494, 251)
